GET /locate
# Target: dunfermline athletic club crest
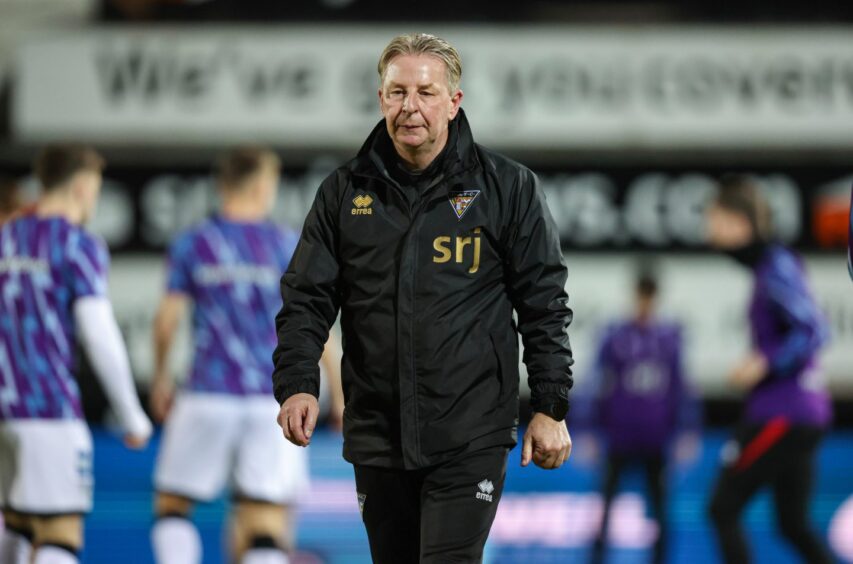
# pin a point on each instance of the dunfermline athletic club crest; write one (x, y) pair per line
(461, 201)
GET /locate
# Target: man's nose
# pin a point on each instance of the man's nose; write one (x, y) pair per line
(410, 103)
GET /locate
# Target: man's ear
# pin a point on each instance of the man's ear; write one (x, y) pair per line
(75, 188)
(455, 103)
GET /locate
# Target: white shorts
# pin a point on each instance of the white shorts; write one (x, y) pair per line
(45, 466)
(210, 439)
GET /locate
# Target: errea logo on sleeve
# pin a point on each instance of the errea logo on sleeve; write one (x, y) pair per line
(362, 204)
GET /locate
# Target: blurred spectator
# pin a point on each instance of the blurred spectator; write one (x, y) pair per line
(787, 406)
(639, 401)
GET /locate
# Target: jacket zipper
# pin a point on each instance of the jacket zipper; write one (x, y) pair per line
(411, 235)
(414, 213)
(421, 202)
(412, 340)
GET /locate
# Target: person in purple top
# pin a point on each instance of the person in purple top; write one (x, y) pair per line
(53, 292)
(639, 405)
(787, 407)
(222, 425)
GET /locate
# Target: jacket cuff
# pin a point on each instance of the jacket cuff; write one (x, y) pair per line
(550, 398)
(301, 386)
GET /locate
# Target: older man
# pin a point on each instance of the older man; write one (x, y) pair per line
(426, 242)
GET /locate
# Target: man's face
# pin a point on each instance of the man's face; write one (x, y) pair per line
(87, 187)
(727, 229)
(645, 305)
(416, 101)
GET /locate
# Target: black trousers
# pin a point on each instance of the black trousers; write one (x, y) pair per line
(437, 514)
(780, 456)
(654, 466)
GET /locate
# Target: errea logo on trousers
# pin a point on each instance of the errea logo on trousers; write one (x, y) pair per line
(486, 488)
(362, 204)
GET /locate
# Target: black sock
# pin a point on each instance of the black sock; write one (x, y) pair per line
(264, 541)
(26, 533)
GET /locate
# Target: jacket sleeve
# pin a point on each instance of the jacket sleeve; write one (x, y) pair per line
(536, 280)
(310, 300)
(796, 310)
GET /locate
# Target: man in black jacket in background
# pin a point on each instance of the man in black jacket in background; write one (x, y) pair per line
(426, 242)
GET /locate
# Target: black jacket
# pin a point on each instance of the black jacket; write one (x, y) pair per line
(426, 277)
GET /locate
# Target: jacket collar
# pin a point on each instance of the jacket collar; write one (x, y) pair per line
(377, 156)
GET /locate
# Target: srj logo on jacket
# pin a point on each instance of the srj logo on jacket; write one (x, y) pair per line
(461, 201)
(445, 247)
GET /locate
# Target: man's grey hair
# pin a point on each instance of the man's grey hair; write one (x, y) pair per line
(424, 44)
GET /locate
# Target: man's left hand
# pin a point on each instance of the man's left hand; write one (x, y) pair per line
(546, 442)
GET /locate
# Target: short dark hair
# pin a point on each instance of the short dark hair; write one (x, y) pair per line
(241, 163)
(646, 284)
(10, 196)
(740, 193)
(57, 164)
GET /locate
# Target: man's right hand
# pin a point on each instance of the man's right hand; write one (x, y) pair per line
(298, 417)
(161, 397)
(546, 442)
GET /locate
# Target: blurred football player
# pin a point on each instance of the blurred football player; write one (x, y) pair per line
(787, 407)
(222, 425)
(641, 406)
(53, 291)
